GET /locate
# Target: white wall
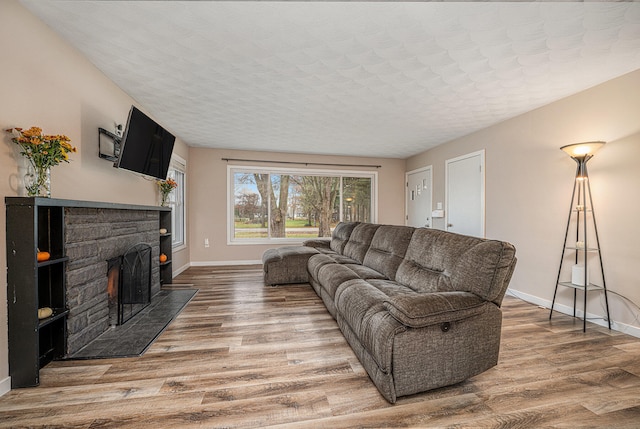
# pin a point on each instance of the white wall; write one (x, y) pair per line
(529, 182)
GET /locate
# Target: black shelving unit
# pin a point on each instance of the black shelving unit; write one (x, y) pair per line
(34, 225)
(39, 223)
(166, 271)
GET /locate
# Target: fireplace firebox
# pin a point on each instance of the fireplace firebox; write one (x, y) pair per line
(129, 283)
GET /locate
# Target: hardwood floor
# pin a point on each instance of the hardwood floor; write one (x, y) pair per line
(242, 355)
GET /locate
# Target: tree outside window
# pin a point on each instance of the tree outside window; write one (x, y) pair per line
(273, 205)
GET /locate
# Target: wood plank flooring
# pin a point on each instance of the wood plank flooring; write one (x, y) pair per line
(242, 355)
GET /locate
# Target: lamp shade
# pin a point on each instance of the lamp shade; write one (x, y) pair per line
(582, 150)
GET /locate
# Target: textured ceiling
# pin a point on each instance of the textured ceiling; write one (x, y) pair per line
(348, 78)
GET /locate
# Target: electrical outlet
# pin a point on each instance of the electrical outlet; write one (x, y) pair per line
(206, 242)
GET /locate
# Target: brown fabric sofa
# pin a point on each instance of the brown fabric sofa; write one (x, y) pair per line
(419, 307)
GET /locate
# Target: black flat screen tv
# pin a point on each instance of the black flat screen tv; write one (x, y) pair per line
(146, 146)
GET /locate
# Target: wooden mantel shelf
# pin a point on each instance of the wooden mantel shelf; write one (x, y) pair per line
(58, 202)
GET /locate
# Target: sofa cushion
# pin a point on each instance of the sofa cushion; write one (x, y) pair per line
(331, 276)
(439, 261)
(340, 235)
(316, 262)
(486, 270)
(364, 272)
(321, 244)
(387, 250)
(342, 259)
(288, 264)
(360, 305)
(359, 241)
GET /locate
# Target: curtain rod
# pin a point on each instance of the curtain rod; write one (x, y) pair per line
(301, 163)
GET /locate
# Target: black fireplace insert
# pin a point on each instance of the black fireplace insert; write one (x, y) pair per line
(129, 283)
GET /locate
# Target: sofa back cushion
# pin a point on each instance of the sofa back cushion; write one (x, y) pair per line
(360, 240)
(340, 236)
(439, 261)
(387, 250)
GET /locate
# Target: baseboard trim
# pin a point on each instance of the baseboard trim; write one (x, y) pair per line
(221, 263)
(634, 331)
(5, 386)
(180, 270)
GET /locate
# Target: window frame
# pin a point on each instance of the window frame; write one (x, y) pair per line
(232, 169)
(179, 164)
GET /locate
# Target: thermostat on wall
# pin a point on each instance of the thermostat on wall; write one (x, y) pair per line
(437, 214)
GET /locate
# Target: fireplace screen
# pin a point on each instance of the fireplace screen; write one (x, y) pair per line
(129, 283)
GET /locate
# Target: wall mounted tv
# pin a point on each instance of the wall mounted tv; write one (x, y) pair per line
(146, 146)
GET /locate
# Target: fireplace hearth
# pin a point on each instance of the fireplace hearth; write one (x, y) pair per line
(129, 283)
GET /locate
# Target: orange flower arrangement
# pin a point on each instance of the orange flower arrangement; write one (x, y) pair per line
(43, 151)
(166, 186)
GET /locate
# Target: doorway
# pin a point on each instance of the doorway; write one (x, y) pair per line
(418, 198)
(465, 194)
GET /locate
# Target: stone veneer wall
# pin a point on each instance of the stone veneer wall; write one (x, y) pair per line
(92, 236)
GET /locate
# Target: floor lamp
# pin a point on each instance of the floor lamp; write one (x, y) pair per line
(581, 206)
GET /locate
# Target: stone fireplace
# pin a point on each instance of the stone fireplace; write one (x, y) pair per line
(93, 236)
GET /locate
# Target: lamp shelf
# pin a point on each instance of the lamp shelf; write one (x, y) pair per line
(588, 249)
(589, 287)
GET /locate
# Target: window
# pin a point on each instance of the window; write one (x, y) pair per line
(177, 172)
(295, 205)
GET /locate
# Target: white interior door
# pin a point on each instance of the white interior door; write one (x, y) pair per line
(465, 194)
(418, 198)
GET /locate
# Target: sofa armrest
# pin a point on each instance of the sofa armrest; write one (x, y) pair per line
(417, 311)
(318, 243)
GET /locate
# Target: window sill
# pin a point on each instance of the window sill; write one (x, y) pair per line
(267, 241)
(179, 247)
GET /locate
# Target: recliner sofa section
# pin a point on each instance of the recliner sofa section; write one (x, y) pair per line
(419, 307)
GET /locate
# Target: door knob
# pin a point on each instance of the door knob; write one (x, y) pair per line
(449, 225)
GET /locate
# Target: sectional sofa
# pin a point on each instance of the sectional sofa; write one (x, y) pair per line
(419, 307)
